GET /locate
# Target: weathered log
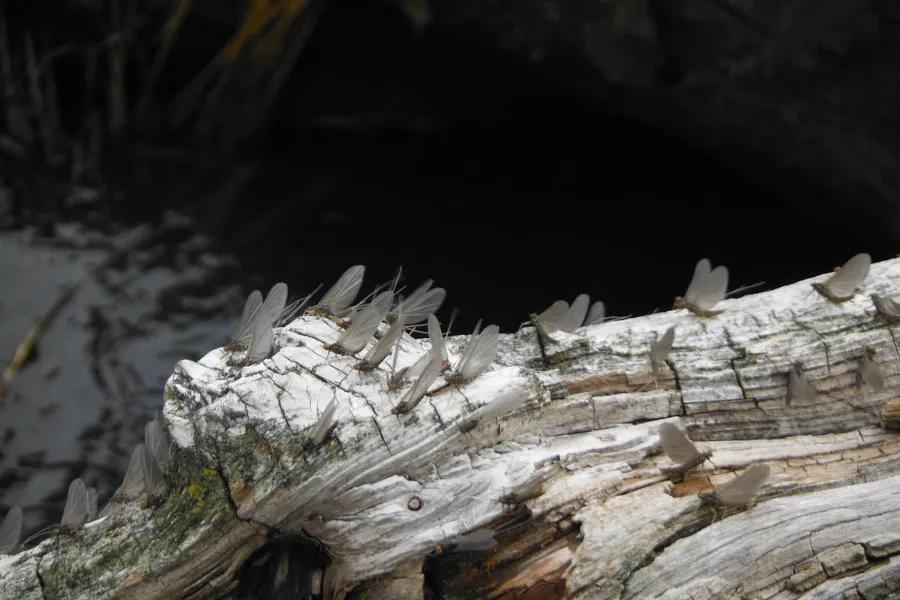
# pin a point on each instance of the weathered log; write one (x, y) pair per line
(570, 479)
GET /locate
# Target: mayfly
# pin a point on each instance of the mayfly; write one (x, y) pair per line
(262, 340)
(437, 341)
(500, 405)
(842, 285)
(868, 372)
(437, 347)
(338, 299)
(661, 348)
(154, 481)
(244, 329)
(365, 322)
(799, 387)
(553, 319)
(479, 354)
(421, 303)
(707, 288)
(158, 443)
(680, 451)
(325, 425)
(576, 314)
(75, 513)
(418, 389)
(740, 491)
(92, 504)
(132, 487)
(596, 315)
(560, 316)
(887, 308)
(11, 531)
(384, 346)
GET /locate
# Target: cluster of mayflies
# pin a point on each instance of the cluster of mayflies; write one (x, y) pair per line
(145, 477)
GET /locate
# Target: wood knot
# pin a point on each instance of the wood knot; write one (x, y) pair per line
(415, 503)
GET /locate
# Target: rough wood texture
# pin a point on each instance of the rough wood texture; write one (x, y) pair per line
(570, 479)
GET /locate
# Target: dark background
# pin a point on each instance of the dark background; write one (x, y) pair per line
(517, 152)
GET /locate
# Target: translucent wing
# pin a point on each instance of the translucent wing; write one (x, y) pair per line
(245, 325)
(421, 303)
(799, 387)
(263, 338)
(384, 346)
(850, 276)
(660, 350)
(323, 426)
(275, 302)
(501, 404)
(158, 443)
(554, 318)
(436, 338)
(743, 487)
(365, 322)
(154, 482)
(133, 486)
(11, 530)
(429, 374)
(699, 281)
(710, 291)
(576, 313)
(870, 373)
(480, 354)
(342, 294)
(596, 314)
(478, 540)
(886, 306)
(676, 445)
(92, 504)
(75, 513)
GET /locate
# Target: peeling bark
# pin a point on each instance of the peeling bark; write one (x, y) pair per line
(571, 480)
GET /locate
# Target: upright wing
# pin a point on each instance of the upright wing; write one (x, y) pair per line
(554, 318)
(158, 443)
(596, 314)
(75, 513)
(870, 373)
(659, 352)
(323, 426)
(743, 487)
(275, 302)
(11, 530)
(849, 276)
(436, 337)
(676, 444)
(421, 303)
(365, 322)
(384, 346)
(342, 294)
(799, 387)
(699, 281)
(245, 325)
(480, 354)
(713, 291)
(575, 315)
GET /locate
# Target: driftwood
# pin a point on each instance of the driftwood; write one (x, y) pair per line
(570, 479)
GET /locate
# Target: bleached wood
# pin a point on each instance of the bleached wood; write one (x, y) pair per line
(580, 453)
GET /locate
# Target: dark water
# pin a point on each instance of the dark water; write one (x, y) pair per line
(509, 187)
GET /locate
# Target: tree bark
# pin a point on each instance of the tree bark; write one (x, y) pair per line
(569, 479)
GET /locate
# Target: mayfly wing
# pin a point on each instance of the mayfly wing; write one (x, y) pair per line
(596, 314)
(384, 346)
(417, 391)
(11, 530)
(713, 291)
(886, 307)
(275, 301)
(660, 350)
(428, 303)
(553, 319)
(133, 486)
(799, 387)
(245, 325)
(743, 487)
(158, 442)
(475, 541)
(480, 354)
(342, 294)
(75, 513)
(870, 373)
(92, 504)
(699, 281)
(323, 425)
(262, 340)
(849, 276)
(365, 322)
(676, 444)
(154, 482)
(576, 314)
(436, 338)
(501, 404)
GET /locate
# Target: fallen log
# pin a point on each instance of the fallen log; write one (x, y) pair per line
(570, 478)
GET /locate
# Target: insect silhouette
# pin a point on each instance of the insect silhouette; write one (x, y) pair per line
(740, 492)
(680, 451)
(340, 296)
(847, 278)
(11, 531)
(799, 387)
(707, 288)
(362, 328)
(868, 372)
(887, 308)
